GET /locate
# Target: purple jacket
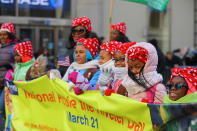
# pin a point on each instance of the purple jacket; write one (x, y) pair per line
(6, 60)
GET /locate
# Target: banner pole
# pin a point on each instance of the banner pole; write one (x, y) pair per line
(112, 2)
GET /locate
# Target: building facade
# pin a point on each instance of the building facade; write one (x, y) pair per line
(47, 22)
(173, 28)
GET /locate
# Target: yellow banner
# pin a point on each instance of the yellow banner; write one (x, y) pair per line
(48, 105)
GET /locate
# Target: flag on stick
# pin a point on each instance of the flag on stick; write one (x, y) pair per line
(156, 4)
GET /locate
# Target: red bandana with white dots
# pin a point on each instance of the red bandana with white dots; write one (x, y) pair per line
(90, 44)
(24, 48)
(83, 21)
(189, 74)
(110, 46)
(121, 27)
(139, 53)
(125, 46)
(9, 26)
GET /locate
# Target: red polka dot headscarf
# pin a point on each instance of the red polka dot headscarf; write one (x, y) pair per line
(121, 27)
(91, 44)
(110, 46)
(189, 74)
(83, 21)
(124, 47)
(9, 27)
(139, 53)
(25, 50)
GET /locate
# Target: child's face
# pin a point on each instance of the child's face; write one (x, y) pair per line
(178, 88)
(114, 35)
(104, 57)
(135, 66)
(3, 36)
(80, 54)
(17, 57)
(119, 59)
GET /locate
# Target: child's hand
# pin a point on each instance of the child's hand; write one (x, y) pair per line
(79, 80)
(108, 92)
(73, 77)
(78, 91)
(53, 74)
(102, 89)
(71, 85)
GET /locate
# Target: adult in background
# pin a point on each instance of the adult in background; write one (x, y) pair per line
(81, 28)
(7, 42)
(118, 32)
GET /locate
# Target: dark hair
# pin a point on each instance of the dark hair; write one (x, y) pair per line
(154, 42)
(71, 43)
(141, 82)
(122, 38)
(11, 36)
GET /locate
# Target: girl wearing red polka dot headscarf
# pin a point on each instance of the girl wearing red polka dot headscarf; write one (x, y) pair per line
(142, 82)
(182, 86)
(81, 27)
(119, 69)
(106, 64)
(23, 55)
(83, 73)
(118, 32)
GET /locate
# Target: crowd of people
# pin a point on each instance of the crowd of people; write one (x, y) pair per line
(133, 69)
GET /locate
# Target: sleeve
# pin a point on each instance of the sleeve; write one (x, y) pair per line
(160, 93)
(94, 79)
(65, 78)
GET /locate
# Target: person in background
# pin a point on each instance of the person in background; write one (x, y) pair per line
(7, 41)
(83, 73)
(191, 58)
(81, 28)
(172, 60)
(106, 64)
(118, 32)
(143, 82)
(41, 52)
(42, 67)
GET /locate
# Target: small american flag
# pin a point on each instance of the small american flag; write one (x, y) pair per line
(63, 61)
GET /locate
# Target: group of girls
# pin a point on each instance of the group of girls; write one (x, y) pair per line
(116, 66)
(122, 67)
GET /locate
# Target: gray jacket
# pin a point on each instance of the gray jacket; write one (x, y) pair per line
(6, 60)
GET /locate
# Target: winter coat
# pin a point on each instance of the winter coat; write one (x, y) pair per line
(21, 70)
(154, 90)
(83, 68)
(6, 60)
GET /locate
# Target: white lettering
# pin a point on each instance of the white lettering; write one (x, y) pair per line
(25, 2)
(29, 2)
(35, 2)
(6, 1)
(44, 2)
